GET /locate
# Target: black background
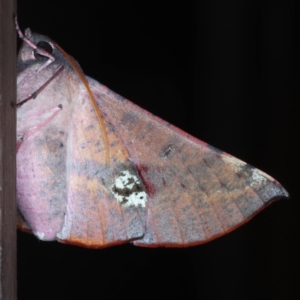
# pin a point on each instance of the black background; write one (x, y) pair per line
(228, 73)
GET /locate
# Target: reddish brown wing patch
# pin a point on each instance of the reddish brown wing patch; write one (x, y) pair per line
(196, 193)
(21, 224)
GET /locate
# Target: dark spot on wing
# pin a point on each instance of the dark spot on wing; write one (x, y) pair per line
(168, 150)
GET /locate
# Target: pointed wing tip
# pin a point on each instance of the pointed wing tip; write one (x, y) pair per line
(283, 195)
(278, 192)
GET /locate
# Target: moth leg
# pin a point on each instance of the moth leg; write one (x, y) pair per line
(37, 92)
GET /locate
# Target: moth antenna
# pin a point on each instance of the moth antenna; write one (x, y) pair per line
(84, 81)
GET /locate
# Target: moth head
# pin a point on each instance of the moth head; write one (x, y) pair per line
(28, 54)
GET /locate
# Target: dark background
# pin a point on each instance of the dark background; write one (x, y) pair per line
(228, 73)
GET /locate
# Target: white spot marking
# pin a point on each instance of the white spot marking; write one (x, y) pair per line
(257, 179)
(66, 229)
(40, 235)
(128, 181)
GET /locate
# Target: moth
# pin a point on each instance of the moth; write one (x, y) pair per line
(96, 170)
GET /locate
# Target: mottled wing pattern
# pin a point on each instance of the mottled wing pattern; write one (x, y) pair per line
(195, 192)
(65, 188)
(97, 213)
(161, 187)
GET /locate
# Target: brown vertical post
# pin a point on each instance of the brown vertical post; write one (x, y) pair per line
(8, 281)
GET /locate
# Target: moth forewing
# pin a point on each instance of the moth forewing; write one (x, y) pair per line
(160, 186)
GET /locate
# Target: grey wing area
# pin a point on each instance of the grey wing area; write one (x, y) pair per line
(195, 192)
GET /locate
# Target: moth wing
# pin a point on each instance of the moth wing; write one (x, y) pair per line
(99, 212)
(195, 192)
